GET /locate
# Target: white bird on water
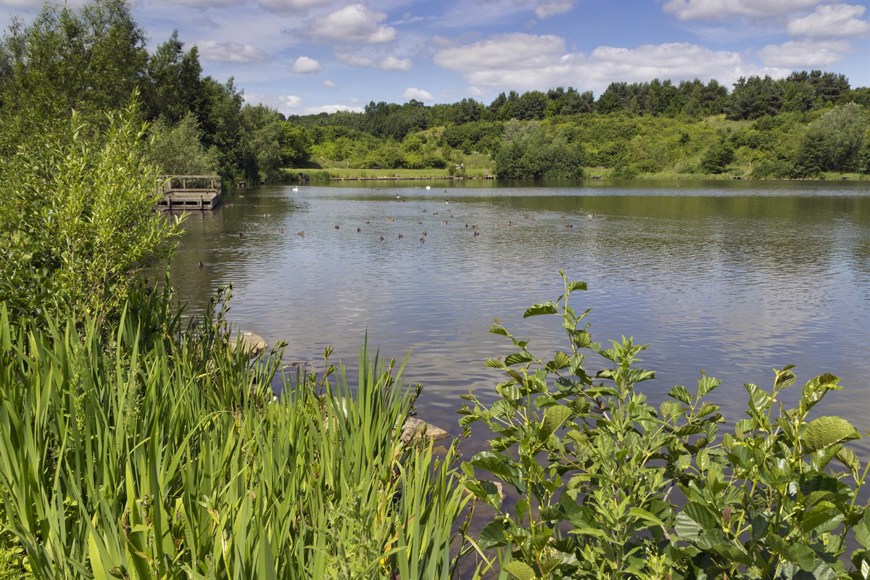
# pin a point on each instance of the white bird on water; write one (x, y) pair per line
(295, 188)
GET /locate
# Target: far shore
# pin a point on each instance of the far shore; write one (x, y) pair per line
(326, 175)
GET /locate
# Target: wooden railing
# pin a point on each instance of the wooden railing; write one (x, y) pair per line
(189, 192)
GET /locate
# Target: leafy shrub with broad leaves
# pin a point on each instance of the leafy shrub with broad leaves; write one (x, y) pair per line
(605, 484)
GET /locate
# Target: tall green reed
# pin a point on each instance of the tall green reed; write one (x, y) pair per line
(156, 451)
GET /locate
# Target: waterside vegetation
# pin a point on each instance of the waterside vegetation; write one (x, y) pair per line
(136, 445)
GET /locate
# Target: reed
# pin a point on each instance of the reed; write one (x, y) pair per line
(152, 451)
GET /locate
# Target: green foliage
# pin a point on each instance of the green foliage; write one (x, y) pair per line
(162, 452)
(172, 85)
(607, 485)
(528, 151)
(90, 61)
(76, 219)
(178, 150)
(717, 157)
(834, 142)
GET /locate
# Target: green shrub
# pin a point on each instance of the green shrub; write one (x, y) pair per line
(77, 220)
(607, 485)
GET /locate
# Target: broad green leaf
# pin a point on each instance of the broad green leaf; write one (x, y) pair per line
(741, 456)
(554, 417)
(492, 535)
(703, 460)
(793, 551)
(549, 307)
(588, 531)
(759, 400)
(497, 328)
(517, 358)
(646, 516)
(495, 363)
(520, 570)
(499, 466)
(707, 384)
(560, 361)
(826, 431)
(681, 394)
(848, 458)
(686, 528)
(820, 515)
(816, 388)
(703, 515)
(574, 286)
(862, 530)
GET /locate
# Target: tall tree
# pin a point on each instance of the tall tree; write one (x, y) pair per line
(173, 84)
(90, 61)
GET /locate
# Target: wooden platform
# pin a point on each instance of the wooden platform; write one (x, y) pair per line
(190, 192)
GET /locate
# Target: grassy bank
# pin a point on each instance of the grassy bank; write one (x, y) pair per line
(329, 174)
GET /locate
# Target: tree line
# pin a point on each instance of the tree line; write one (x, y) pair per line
(94, 61)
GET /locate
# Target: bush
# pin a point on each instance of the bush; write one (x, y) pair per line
(607, 485)
(77, 220)
(717, 157)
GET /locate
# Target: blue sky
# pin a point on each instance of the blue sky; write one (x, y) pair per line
(308, 56)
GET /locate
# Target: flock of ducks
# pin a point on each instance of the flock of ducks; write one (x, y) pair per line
(473, 228)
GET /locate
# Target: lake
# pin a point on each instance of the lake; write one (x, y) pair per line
(734, 278)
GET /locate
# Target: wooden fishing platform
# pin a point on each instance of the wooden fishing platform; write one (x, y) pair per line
(189, 192)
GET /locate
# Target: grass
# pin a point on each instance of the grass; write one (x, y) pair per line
(153, 451)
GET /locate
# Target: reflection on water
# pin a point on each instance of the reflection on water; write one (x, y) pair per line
(734, 279)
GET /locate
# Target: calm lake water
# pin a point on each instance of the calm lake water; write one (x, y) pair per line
(731, 278)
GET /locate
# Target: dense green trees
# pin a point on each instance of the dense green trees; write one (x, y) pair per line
(90, 61)
(76, 218)
(94, 61)
(834, 142)
(178, 150)
(529, 151)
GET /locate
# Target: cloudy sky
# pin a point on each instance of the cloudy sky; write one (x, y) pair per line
(307, 56)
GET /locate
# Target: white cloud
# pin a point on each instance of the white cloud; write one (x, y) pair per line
(283, 6)
(199, 3)
(305, 65)
(355, 60)
(721, 9)
(503, 52)
(393, 63)
(417, 94)
(664, 61)
(804, 54)
(527, 62)
(234, 52)
(831, 21)
(353, 23)
(332, 109)
(290, 102)
(285, 104)
(477, 12)
(35, 5)
(388, 63)
(330, 84)
(550, 8)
